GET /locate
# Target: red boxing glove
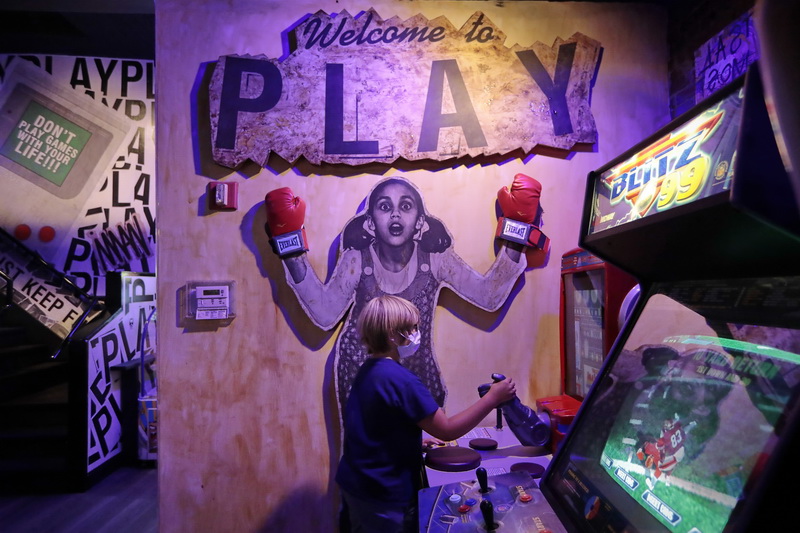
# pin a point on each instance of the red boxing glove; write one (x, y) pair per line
(521, 213)
(521, 203)
(285, 215)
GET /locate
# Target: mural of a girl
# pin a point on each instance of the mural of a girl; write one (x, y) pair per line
(395, 247)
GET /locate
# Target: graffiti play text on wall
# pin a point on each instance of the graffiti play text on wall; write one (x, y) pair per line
(118, 342)
(725, 57)
(360, 89)
(112, 249)
(100, 245)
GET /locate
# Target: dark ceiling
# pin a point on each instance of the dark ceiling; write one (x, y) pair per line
(103, 28)
(106, 28)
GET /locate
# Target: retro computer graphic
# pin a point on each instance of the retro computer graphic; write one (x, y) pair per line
(55, 147)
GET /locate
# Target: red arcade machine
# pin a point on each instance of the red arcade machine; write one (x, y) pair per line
(596, 297)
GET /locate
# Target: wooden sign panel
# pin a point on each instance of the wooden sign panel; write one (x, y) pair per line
(357, 90)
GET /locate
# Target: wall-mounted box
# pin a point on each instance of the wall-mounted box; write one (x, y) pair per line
(210, 300)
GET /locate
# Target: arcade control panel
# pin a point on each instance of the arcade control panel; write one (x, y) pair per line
(508, 502)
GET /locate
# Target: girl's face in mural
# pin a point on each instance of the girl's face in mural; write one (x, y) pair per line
(396, 215)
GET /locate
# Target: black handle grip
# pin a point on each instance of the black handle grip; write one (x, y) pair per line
(482, 479)
(487, 510)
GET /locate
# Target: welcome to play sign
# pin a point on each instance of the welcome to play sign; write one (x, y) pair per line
(361, 89)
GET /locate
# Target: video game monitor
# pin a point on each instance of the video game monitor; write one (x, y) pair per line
(687, 425)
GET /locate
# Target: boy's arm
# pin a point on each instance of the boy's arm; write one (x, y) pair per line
(442, 427)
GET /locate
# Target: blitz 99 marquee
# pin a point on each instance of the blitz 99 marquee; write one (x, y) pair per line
(688, 164)
(705, 197)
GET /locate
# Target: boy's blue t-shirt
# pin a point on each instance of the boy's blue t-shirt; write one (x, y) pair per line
(382, 455)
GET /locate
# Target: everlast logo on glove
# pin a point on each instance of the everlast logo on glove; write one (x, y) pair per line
(289, 243)
(515, 231)
(522, 233)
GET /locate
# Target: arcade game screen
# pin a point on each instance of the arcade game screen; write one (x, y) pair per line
(583, 330)
(44, 141)
(56, 149)
(687, 411)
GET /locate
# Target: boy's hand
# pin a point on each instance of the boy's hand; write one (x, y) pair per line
(429, 444)
(502, 391)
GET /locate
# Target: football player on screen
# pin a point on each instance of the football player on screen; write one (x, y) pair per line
(661, 456)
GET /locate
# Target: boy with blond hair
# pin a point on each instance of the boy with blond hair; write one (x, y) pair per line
(386, 412)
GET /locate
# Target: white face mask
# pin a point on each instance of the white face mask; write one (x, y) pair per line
(411, 348)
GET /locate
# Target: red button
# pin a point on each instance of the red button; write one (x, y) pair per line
(464, 509)
(47, 234)
(22, 232)
(525, 497)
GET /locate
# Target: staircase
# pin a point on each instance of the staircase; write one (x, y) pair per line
(66, 421)
(34, 406)
(42, 391)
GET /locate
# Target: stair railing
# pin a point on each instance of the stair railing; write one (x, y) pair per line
(9, 294)
(75, 327)
(34, 260)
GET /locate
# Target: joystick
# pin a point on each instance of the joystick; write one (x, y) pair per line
(487, 510)
(526, 425)
(482, 390)
(483, 480)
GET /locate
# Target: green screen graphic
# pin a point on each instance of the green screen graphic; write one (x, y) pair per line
(45, 143)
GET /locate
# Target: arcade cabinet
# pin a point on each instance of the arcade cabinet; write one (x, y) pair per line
(696, 405)
(691, 424)
(596, 298)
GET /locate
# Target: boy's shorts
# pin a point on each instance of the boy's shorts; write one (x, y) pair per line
(369, 516)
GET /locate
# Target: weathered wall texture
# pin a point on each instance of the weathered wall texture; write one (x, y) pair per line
(248, 439)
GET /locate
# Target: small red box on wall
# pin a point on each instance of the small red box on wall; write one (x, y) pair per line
(223, 196)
